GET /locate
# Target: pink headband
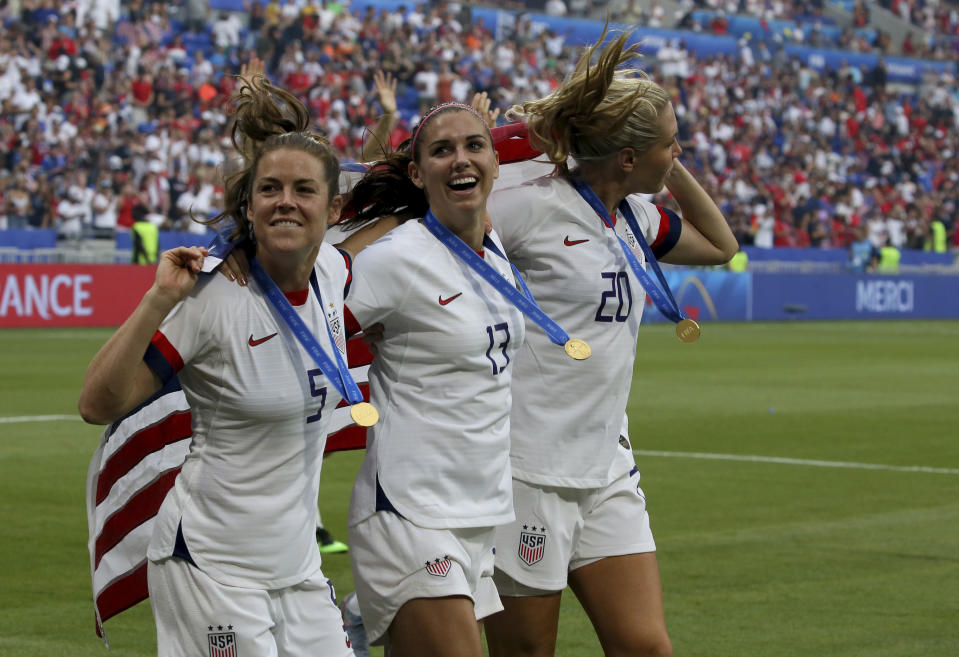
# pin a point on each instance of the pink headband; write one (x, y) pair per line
(437, 110)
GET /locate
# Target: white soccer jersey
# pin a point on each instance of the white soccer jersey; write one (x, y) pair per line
(246, 496)
(440, 380)
(565, 420)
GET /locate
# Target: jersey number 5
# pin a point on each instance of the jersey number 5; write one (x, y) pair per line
(316, 392)
(620, 292)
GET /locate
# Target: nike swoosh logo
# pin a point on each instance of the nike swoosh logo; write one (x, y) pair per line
(253, 342)
(443, 301)
(569, 242)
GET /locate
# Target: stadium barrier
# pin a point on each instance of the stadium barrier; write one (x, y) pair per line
(840, 257)
(168, 240)
(23, 238)
(70, 295)
(104, 295)
(759, 296)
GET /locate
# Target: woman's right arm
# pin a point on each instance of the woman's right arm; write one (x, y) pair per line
(377, 145)
(118, 379)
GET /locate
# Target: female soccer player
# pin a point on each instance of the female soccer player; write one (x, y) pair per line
(435, 480)
(580, 515)
(233, 561)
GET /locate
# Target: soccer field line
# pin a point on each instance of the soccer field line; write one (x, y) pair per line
(790, 461)
(749, 458)
(37, 418)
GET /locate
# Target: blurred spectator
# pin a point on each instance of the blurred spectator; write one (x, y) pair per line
(197, 201)
(863, 254)
(70, 212)
(104, 205)
(196, 14)
(145, 237)
(888, 259)
(763, 224)
(16, 200)
(555, 7)
(226, 30)
(936, 239)
(156, 190)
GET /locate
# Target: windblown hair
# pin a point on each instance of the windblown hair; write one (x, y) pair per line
(386, 189)
(267, 118)
(599, 109)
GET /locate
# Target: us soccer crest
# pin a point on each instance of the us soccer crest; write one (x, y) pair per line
(633, 245)
(222, 644)
(439, 567)
(532, 544)
(336, 328)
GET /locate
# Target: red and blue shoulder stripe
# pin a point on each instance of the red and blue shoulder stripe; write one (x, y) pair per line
(670, 228)
(162, 357)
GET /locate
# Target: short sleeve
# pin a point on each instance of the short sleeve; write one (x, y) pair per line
(661, 226)
(374, 288)
(183, 333)
(516, 212)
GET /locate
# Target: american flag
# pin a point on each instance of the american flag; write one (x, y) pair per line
(141, 453)
(135, 466)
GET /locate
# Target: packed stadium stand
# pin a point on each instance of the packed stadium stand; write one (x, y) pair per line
(808, 121)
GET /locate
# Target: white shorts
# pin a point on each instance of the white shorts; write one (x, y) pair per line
(196, 615)
(558, 530)
(395, 561)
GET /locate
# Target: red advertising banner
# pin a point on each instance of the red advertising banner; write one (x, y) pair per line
(71, 295)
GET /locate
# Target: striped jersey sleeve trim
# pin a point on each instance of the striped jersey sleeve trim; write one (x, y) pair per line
(670, 228)
(162, 357)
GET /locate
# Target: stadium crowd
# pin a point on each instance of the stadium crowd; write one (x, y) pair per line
(101, 112)
(932, 16)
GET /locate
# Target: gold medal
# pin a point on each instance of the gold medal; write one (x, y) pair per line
(687, 330)
(577, 349)
(364, 414)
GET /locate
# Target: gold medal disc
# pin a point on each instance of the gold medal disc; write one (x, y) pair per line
(577, 349)
(687, 330)
(364, 414)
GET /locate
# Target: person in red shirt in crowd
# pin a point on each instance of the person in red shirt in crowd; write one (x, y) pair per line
(908, 47)
(719, 23)
(298, 81)
(341, 142)
(62, 45)
(801, 237)
(844, 230)
(142, 95)
(783, 232)
(129, 199)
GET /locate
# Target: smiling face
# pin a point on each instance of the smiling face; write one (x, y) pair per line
(655, 163)
(455, 164)
(290, 205)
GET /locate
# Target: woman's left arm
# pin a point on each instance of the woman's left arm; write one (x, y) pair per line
(706, 238)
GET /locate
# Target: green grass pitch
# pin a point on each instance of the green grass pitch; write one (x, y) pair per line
(774, 538)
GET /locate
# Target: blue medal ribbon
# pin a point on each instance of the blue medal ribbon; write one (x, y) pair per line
(337, 372)
(523, 300)
(221, 246)
(663, 298)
